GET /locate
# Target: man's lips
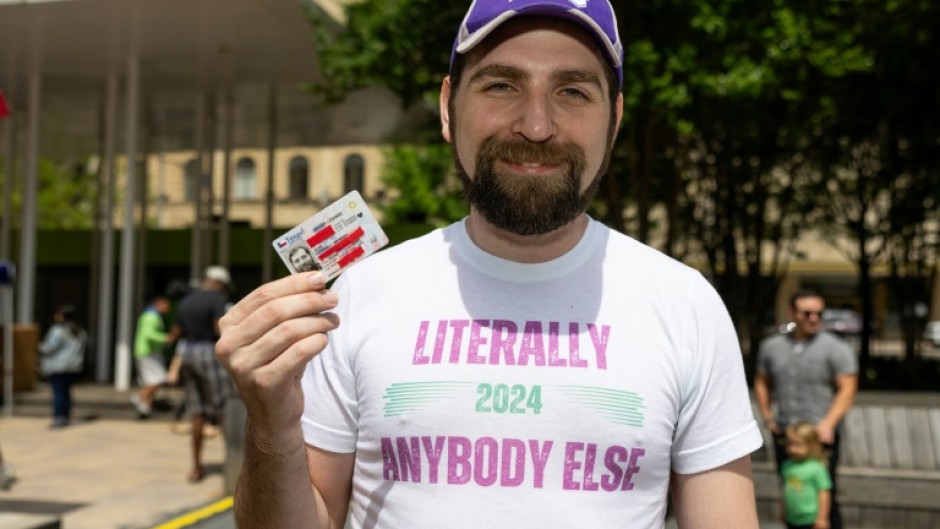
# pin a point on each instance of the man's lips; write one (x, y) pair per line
(530, 167)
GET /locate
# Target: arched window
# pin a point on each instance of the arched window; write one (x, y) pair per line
(354, 173)
(190, 180)
(299, 175)
(245, 180)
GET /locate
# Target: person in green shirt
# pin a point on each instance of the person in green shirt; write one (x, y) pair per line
(149, 341)
(806, 484)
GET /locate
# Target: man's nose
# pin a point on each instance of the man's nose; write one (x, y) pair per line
(536, 120)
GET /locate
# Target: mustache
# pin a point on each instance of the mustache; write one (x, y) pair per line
(522, 151)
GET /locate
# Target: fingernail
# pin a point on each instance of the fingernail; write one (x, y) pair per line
(330, 297)
(315, 280)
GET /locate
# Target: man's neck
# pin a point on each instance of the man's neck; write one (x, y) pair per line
(799, 336)
(525, 248)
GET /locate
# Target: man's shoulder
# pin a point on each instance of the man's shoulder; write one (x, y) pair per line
(406, 252)
(775, 341)
(833, 343)
(623, 250)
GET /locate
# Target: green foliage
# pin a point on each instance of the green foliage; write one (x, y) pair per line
(750, 122)
(404, 45)
(65, 197)
(427, 191)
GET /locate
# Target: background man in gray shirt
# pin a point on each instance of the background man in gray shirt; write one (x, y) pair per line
(809, 375)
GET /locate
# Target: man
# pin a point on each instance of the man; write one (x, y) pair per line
(526, 366)
(149, 341)
(301, 259)
(206, 383)
(810, 375)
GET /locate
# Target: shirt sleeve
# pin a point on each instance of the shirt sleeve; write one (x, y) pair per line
(823, 482)
(716, 423)
(152, 330)
(843, 358)
(331, 404)
(52, 341)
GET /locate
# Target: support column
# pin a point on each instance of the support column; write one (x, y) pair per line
(208, 180)
(9, 143)
(195, 252)
(227, 137)
(122, 373)
(106, 226)
(27, 262)
(266, 272)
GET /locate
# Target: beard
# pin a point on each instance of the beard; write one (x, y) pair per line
(528, 204)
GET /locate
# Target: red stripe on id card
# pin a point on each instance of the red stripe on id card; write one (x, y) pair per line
(343, 243)
(321, 236)
(353, 254)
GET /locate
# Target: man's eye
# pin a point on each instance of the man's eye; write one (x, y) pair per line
(574, 93)
(498, 87)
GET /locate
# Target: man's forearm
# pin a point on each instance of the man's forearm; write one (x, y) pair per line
(274, 489)
(841, 401)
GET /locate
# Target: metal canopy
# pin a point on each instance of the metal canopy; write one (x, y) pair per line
(64, 66)
(185, 48)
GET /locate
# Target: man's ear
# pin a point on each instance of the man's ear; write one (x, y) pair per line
(445, 113)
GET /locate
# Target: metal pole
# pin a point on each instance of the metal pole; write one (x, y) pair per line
(27, 267)
(9, 145)
(224, 228)
(106, 268)
(122, 373)
(195, 253)
(269, 187)
(209, 178)
(9, 150)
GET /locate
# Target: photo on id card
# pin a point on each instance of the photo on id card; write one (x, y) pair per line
(339, 235)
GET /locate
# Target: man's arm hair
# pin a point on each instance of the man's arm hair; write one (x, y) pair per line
(276, 486)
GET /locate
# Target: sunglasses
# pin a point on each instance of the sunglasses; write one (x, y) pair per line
(808, 313)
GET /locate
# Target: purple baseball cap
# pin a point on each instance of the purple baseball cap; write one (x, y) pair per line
(596, 16)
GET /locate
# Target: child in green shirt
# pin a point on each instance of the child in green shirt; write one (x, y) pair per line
(806, 483)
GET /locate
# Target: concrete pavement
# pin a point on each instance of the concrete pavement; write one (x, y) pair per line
(107, 471)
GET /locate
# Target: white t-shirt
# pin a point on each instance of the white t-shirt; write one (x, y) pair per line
(479, 392)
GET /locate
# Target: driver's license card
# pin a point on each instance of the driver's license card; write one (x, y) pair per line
(339, 235)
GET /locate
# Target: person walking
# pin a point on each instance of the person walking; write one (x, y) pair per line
(807, 374)
(526, 365)
(62, 356)
(149, 340)
(206, 383)
(807, 488)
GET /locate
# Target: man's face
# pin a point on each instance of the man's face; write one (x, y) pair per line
(530, 125)
(807, 314)
(162, 306)
(302, 261)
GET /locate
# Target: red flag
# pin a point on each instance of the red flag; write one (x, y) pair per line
(4, 108)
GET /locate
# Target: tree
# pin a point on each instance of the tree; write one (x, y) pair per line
(426, 190)
(881, 150)
(65, 197)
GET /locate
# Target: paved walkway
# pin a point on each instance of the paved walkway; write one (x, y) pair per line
(109, 470)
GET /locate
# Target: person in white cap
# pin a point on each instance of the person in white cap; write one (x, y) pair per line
(526, 367)
(207, 385)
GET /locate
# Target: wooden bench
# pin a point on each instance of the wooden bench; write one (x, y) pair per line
(889, 469)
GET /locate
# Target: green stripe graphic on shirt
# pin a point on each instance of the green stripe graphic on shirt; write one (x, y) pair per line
(621, 407)
(407, 397)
